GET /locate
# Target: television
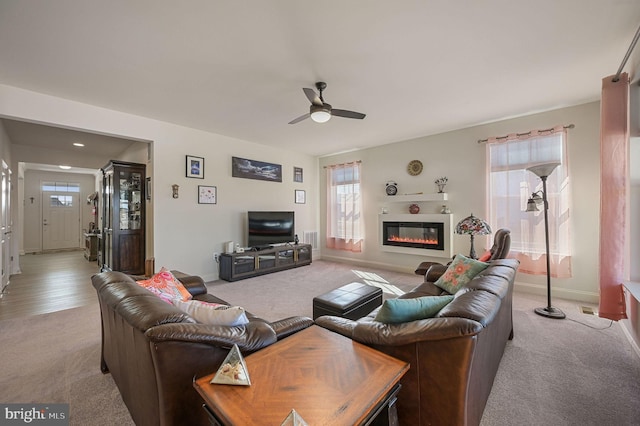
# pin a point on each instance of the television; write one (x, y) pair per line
(270, 227)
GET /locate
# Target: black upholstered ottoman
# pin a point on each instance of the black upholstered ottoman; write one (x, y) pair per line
(352, 301)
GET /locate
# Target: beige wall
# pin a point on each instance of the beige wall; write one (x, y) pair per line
(186, 233)
(458, 156)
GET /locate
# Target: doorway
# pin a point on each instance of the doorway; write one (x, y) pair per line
(60, 220)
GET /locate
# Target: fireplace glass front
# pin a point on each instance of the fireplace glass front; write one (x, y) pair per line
(425, 235)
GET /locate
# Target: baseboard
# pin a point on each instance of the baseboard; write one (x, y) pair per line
(630, 337)
(561, 293)
(575, 295)
(380, 265)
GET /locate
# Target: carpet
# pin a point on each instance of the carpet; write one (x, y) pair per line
(577, 371)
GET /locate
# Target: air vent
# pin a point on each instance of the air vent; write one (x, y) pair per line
(588, 310)
(311, 238)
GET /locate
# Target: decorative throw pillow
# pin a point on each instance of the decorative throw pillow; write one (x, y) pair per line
(166, 286)
(394, 311)
(213, 313)
(459, 273)
(485, 256)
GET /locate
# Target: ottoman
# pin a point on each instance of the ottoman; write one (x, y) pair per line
(352, 301)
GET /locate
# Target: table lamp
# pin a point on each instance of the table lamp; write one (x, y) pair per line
(473, 226)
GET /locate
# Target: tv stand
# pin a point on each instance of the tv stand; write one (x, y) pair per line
(238, 266)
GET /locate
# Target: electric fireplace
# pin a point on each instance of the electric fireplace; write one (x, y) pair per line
(425, 235)
(422, 234)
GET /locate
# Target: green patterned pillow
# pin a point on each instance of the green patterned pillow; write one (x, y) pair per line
(459, 273)
(394, 311)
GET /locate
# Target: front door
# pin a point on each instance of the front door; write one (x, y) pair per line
(60, 220)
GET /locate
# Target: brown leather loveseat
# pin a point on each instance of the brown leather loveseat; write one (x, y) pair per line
(153, 350)
(454, 356)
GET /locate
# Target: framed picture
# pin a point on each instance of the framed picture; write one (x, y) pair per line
(301, 197)
(195, 167)
(207, 194)
(297, 174)
(252, 169)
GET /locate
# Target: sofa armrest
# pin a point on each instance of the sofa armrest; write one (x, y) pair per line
(434, 272)
(193, 283)
(338, 325)
(288, 326)
(251, 337)
(423, 267)
(371, 332)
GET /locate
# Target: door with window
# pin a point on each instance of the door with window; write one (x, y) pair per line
(60, 219)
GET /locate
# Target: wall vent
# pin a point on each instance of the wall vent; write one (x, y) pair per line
(311, 238)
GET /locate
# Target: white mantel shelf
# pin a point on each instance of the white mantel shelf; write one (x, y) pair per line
(416, 198)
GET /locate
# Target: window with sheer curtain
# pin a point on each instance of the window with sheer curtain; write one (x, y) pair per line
(510, 185)
(344, 207)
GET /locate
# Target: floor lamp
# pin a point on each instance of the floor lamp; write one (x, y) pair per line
(543, 171)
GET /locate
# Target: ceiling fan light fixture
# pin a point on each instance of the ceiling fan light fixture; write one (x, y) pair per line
(321, 113)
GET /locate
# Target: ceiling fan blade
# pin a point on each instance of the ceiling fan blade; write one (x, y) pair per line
(347, 114)
(299, 119)
(312, 96)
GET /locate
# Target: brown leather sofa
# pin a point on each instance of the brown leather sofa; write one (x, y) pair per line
(454, 357)
(154, 350)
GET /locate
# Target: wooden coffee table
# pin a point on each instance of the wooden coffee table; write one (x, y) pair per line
(326, 377)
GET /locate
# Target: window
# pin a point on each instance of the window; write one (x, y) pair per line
(60, 201)
(344, 206)
(509, 187)
(60, 187)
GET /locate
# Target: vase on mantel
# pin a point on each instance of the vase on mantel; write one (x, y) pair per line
(441, 187)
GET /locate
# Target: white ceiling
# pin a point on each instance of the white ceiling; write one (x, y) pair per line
(237, 67)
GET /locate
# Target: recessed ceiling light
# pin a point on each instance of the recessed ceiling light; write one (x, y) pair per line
(78, 144)
(65, 167)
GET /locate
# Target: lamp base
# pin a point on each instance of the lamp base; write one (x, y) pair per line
(550, 312)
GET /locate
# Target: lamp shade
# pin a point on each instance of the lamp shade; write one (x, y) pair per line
(473, 226)
(543, 170)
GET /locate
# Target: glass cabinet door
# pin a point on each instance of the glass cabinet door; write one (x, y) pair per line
(130, 199)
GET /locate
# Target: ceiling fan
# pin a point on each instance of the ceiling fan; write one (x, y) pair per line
(320, 111)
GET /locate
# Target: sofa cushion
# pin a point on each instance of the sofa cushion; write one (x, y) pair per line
(395, 311)
(166, 286)
(213, 313)
(459, 273)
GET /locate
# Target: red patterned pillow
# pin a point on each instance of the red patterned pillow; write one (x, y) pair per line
(485, 256)
(166, 286)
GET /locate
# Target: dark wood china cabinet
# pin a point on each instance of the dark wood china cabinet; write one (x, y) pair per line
(123, 217)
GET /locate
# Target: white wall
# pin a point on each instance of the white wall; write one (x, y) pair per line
(458, 156)
(186, 233)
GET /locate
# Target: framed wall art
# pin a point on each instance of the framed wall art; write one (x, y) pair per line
(297, 174)
(252, 169)
(301, 196)
(195, 167)
(207, 194)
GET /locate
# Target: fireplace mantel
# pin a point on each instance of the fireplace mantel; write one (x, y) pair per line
(442, 218)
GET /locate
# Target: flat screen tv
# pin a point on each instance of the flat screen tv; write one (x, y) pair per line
(266, 228)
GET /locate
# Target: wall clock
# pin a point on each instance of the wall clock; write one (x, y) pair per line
(414, 168)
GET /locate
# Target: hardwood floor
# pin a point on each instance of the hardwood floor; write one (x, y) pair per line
(49, 282)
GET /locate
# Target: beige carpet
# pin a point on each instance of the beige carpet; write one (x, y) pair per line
(554, 371)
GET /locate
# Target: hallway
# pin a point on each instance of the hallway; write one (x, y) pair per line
(49, 282)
